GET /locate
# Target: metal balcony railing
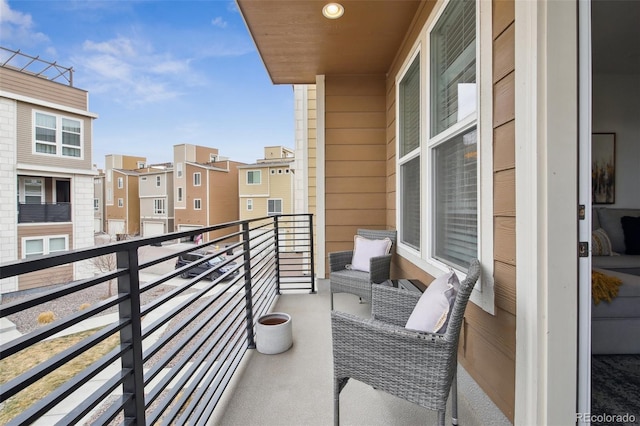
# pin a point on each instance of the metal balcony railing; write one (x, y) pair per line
(177, 341)
(45, 212)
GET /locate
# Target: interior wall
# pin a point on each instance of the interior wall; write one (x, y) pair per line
(616, 105)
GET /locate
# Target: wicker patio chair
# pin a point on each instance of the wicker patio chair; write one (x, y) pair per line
(344, 280)
(419, 367)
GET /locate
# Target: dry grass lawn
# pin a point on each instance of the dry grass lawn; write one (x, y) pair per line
(30, 357)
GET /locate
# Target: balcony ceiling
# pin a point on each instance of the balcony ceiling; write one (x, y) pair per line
(296, 42)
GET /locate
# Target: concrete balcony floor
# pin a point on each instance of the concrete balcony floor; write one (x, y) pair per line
(296, 387)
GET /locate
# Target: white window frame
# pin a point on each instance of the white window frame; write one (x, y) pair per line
(45, 244)
(483, 294)
(159, 206)
(140, 164)
(274, 213)
(158, 181)
(58, 143)
(259, 174)
(197, 179)
(120, 182)
(249, 204)
(120, 202)
(22, 193)
(179, 194)
(179, 170)
(197, 204)
(96, 204)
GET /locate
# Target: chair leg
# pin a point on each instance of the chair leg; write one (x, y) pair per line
(440, 417)
(336, 402)
(454, 399)
(331, 299)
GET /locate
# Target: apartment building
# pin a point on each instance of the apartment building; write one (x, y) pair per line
(46, 172)
(156, 199)
(122, 204)
(205, 188)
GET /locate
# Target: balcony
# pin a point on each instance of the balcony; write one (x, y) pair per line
(158, 348)
(44, 213)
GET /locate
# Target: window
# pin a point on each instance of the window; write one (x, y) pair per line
(37, 246)
(158, 181)
(197, 204)
(144, 178)
(33, 191)
(213, 158)
(140, 164)
(110, 195)
(120, 183)
(249, 204)
(254, 177)
(179, 169)
(274, 207)
(57, 135)
(197, 179)
(179, 193)
(96, 204)
(272, 171)
(120, 202)
(437, 142)
(158, 206)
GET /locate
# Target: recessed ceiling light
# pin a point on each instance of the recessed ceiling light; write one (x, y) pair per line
(333, 10)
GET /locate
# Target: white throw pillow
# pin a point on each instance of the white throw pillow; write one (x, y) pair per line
(431, 313)
(364, 249)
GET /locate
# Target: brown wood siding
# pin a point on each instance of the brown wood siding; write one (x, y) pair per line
(487, 344)
(132, 204)
(355, 157)
(190, 216)
(62, 274)
(25, 140)
(27, 85)
(224, 199)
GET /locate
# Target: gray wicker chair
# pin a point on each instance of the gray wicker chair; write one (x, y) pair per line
(343, 280)
(415, 366)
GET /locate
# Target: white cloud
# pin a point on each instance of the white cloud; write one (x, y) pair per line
(17, 28)
(219, 22)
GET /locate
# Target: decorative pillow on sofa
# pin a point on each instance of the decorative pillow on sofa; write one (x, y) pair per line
(364, 249)
(431, 313)
(631, 230)
(600, 243)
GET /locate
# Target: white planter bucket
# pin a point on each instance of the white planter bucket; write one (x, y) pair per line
(274, 333)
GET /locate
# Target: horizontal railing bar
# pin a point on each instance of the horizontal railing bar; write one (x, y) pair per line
(20, 382)
(22, 342)
(114, 409)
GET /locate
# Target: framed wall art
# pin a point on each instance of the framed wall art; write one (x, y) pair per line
(603, 168)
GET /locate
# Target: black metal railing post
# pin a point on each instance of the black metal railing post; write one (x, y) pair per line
(251, 343)
(131, 336)
(276, 228)
(313, 259)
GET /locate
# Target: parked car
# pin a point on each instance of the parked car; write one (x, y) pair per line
(185, 259)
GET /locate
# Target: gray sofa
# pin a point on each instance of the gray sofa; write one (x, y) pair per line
(615, 326)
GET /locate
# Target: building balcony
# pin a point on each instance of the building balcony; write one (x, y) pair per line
(44, 212)
(137, 343)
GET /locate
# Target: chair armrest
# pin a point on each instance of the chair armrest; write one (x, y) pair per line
(380, 268)
(392, 305)
(339, 259)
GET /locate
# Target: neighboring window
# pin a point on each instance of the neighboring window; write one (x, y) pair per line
(38, 246)
(109, 173)
(273, 171)
(249, 204)
(141, 164)
(197, 204)
(120, 202)
(57, 135)
(110, 195)
(33, 191)
(286, 170)
(158, 206)
(179, 193)
(274, 207)
(144, 178)
(213, 158)
(120, 183)
(158, 181)
(197, 179)
(179, 169)
(254, 177)
(279, 171)
(96, 204)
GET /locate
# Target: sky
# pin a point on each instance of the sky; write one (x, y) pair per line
(159, 73)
